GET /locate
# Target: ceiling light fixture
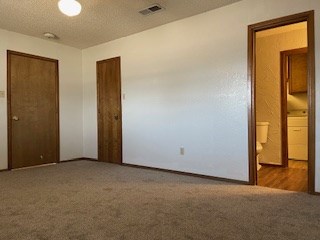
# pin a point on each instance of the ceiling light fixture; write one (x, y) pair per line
(69, 7)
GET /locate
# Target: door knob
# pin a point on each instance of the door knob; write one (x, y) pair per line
(15, 118)
(116, 117)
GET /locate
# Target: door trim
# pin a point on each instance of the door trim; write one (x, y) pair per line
(252, 29)
(9, 117)
(283, 108)
(284, 103)
(99, 106)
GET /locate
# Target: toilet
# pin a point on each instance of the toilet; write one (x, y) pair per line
(261, 138)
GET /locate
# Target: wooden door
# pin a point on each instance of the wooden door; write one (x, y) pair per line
(109, 111)
(33, 120)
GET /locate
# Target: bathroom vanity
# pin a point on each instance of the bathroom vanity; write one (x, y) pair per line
(298, 137)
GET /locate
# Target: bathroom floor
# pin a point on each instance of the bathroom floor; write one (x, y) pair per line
(293, 178)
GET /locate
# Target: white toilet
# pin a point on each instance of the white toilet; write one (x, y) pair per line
(261, 137)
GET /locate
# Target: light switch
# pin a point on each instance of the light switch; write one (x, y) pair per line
(2, 94)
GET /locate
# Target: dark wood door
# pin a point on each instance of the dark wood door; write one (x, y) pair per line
(33, 119)
(109, 111)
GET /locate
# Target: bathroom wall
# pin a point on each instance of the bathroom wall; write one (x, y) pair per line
(298, 101)
(70, 90)
(268, 85)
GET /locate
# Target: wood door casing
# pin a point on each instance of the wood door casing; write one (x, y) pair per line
(252, 30)
(286, 77)
(33, 137)
(109, 111)
(283, 108)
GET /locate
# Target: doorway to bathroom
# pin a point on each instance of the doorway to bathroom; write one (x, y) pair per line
(281, 105)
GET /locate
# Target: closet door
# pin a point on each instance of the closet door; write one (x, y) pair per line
(109, 111)
(33, 111)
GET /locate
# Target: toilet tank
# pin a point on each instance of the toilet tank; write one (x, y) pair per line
(262, 131)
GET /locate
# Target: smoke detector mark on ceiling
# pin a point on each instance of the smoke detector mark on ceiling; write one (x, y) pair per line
(152, 9)
(50, 35)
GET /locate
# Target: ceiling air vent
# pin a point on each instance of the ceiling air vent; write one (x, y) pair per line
(152, 9)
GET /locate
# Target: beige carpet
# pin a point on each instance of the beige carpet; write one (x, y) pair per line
(91, 200)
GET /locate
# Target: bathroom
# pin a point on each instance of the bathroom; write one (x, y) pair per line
(282, 107)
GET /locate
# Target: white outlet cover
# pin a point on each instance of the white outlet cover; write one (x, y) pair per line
(2, 94)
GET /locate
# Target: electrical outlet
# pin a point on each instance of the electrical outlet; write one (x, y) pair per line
(181, 150)
(2, 94)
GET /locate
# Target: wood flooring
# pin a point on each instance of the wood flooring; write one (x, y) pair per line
(293, 178)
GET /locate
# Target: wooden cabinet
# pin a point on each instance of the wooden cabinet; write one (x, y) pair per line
(297, 70)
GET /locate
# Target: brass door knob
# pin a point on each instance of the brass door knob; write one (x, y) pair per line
(15, 118)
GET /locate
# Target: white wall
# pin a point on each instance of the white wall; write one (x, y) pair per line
(186, 85)
(70, 87)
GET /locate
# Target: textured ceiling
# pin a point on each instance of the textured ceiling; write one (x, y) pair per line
(100, 20)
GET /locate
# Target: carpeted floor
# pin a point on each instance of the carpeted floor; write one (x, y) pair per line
(91, 200)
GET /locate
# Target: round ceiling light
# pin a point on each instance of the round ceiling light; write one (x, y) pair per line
(69, 7)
